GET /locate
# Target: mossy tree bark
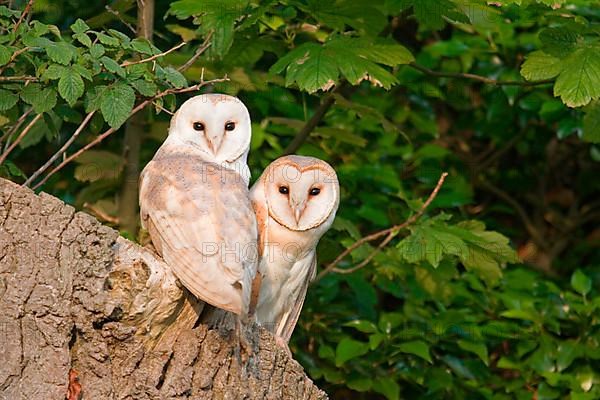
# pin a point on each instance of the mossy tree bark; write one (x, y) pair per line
(87, 314)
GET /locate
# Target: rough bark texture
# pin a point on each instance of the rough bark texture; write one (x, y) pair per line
(78, 300)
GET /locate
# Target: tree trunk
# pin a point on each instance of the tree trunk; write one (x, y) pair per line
(88, 314)
(134, 129)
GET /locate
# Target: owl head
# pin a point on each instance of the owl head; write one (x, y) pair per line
(218, 125)
(302, 193)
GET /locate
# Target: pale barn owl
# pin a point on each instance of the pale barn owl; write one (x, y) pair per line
(295, 201)
(195, 204)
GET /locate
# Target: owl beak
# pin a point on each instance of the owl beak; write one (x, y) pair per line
(298, 207)
(297, 214)
(214, 143)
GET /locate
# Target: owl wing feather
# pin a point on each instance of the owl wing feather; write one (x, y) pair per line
(287, 323)
(200, 219)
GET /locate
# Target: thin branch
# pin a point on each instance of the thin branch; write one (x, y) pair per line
(310, 125)
(98, 212)
(20, 137)
(23, 15)
(13, 57)
(62, 150)
(478, 77)
(203, 47)
(110, 131)
(21, 78)
(390, 232)
(16, 126)
(154, 57)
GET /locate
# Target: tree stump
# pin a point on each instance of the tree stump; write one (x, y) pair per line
(86, 314)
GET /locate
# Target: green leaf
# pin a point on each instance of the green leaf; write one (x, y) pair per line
(112, 66)
(97, 50)
(558, 42)
(107, 40)
(7, 99)
(35, 134)
(5, 55)
(581, 283)
(348, 349)
(142, 46)
(173, 76)
(431, 13)
(54, 71)
(83, 38)
(79, 26)
(145, 88)
(216, 16)
(60, 52)
(525, 315)
(116, 103)
(591, 123)
(317, 67)
(567, 352)
(361, 384)
(479, 250)
(387, 387)
(540, 66)
(81, 70)
(42, 99)
(579, 81)
(70, 86)
(362, 325)
(418, 348)
(12, 169)
(480, 349)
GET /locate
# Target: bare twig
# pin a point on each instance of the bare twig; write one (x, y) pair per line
(154, 57)
(203, 47)
(13, 57)
(477, 77)
(20, 137)
(62, 150)
(110, 131)
(390, 232)
(98, 212)
(23, 15)
(16, 126)
(21, 78)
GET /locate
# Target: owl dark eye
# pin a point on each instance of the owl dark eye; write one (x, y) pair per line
(230, 126)
(284, 190)
(198, 126)
(314, 191)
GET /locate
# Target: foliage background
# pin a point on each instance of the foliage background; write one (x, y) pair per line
(492, 293)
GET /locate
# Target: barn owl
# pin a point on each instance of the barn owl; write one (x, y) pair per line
(295, 201)
(195, 204)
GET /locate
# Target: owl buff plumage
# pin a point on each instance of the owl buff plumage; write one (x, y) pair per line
(194, 201)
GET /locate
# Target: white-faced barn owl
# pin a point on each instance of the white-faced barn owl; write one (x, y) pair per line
(295, 201)
(195, 204)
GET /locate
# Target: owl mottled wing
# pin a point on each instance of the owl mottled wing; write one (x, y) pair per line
(200, 218)
(287, 323)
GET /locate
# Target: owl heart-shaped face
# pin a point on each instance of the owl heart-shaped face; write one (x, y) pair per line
(216, 124)
(301, 192)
